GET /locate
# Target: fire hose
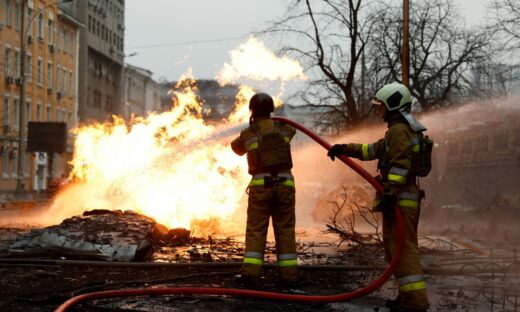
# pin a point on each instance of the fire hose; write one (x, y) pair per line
(265, 294)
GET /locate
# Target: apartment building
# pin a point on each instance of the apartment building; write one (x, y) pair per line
(142, 93)
(51, 40)
(101, 57)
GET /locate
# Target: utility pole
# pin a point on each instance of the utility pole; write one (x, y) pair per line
(20, 187)
(406, 49)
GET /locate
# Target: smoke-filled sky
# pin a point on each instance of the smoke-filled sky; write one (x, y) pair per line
(167, 34)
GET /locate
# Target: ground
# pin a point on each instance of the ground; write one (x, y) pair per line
(32, 285)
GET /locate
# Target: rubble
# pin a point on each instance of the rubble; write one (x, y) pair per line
(97, 234)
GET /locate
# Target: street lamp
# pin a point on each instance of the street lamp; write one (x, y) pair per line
(20, 188)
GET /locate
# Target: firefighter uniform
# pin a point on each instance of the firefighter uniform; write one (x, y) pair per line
(271, 194)
(395, 153)
(401, 158)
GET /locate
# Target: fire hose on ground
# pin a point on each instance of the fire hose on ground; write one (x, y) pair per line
(265, 294)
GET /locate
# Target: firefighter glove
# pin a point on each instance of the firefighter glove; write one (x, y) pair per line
(388, 203)
(336, 150)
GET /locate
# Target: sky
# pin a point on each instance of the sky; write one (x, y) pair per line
(166, 35)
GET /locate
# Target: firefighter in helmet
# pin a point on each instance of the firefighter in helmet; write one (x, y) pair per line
(399, 165)
(271, 190)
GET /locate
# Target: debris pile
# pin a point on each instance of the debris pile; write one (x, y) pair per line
(96, 235)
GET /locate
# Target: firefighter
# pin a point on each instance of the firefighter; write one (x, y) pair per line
(398, 166)
(271, 191)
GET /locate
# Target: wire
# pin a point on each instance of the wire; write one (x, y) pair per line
(163, 45)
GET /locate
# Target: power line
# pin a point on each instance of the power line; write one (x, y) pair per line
(186, 43)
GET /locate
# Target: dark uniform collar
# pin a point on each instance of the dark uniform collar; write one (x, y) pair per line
(392, 118)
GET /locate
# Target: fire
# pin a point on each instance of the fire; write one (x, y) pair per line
(172, 166)
(252, 60)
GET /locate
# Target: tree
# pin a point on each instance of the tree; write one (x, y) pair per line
(442, 51)
(330, 38)
(507, 17)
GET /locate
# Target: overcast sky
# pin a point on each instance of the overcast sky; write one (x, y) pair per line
(154, 26)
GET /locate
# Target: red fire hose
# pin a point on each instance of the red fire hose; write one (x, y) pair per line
(264, 294)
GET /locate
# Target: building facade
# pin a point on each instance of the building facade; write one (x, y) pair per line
(51, 85)
(101, 57)
(142, 93)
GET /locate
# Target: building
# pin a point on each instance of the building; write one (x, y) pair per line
(217, 101)
(51, 71)
(142, 93)
(101, 57)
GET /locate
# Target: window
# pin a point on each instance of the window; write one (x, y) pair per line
(90, 23)
(28, 112)
(70, 84)
(49, 113)
(40, 25)
(8, 12)
(30, 21)
(98, 28)
(39, 112)
(8, 61)
(40, 71)
(14, 163)
(7, 110)
(16, 113)
(18, 16)
(72, 39)
(27, 164)
(97, 99)
(29, 68)
(17, 64)
(63, 79)
(69, 120)
(58, 69)
(5, 160)
(49, 75)
(51, 32)
(64, 37)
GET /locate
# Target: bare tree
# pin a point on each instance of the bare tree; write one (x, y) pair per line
(507, 17)
(331, 36)
(441, 51)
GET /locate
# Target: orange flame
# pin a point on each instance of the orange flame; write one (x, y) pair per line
(169, 166)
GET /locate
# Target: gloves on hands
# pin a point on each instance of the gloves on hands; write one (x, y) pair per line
(336, 150)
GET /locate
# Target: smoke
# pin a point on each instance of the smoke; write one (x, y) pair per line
(474, 181)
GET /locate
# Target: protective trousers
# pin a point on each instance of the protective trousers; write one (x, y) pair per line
(408, 273)
(265, 201)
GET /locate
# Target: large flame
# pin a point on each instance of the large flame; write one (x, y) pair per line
(252, 60)
(171, 166)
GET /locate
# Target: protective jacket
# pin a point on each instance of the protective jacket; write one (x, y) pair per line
(271, 194)
(396, 154)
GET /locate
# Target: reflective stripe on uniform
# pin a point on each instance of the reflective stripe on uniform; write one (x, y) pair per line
(411, 283)
(287, 256)
(254, 257)
(364, 151)
(288, 262)
(415, 144)
(398, 175)
(258, 179)
(259, 182)
(251, 144)
(367, 151)
(408, 199)
(253, 261)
